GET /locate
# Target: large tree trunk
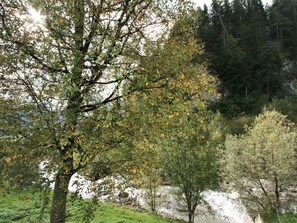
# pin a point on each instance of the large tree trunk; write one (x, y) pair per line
(58, 210)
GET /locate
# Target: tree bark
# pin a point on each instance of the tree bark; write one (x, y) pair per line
(191, 216)
(58, 210)
(277, 195)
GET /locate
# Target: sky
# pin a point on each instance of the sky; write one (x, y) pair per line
(208, 2)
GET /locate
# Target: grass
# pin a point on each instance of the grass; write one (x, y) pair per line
(19, 207)
(25, 207)
(289, 218)
(108, 213)
(285, 218)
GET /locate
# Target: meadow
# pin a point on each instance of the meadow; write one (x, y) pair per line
(33, 207)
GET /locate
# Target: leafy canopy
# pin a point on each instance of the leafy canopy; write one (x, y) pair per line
(261, 163)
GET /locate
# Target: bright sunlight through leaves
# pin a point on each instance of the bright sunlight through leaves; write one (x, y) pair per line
(35, 16)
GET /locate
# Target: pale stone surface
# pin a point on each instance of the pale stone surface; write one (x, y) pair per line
(226, 206)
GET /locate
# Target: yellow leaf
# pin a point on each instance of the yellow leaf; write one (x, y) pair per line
(8, 160)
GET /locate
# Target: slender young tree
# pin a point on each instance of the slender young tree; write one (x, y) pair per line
(163, 111)
(190, 157)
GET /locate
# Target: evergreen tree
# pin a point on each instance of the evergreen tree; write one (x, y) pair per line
(283, 26)
(241, 54)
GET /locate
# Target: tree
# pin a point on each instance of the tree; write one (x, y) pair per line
(12, 174)
(269, 70)
(240, 51)
(261, 163)
(191, 157)
(179, 82)
(69, 70)
(147, 165)
(283, 26)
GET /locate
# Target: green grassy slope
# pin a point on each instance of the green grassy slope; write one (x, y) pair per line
(25, 207)
(285, 218)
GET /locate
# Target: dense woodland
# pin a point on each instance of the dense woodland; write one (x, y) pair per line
(208, 104)
(252, 49)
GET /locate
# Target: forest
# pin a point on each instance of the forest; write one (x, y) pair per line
(252, 49)
(158, 92)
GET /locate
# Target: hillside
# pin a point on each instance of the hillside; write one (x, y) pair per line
(26, 206)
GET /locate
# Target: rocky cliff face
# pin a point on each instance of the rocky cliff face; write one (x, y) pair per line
(219, 207)
(289, 199)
